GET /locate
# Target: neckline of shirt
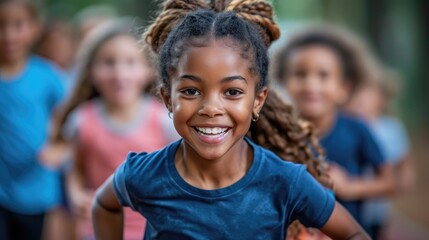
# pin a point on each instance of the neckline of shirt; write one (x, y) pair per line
(325, 136)
(215, 193)
(19, 76)
(129, 128)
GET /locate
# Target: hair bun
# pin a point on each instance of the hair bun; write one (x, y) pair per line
(172, 12)
(258, 12)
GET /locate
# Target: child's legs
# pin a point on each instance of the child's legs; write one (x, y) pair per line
(5, 225)
(20, 226)
(374, 231)
(59, 224)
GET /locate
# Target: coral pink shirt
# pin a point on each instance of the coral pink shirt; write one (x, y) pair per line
(105, 147)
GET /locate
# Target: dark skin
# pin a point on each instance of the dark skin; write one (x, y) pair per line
(212, 87)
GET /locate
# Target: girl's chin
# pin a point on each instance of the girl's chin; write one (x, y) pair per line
(121, 100)
(312, 111)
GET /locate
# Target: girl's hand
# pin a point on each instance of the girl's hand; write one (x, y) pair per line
(341, 181)
(81, 204)
(53, 155)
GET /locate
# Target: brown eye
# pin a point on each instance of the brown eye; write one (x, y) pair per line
(233, 92)
(323, 75)
(109, 62)
(190, 92)
(300, 73)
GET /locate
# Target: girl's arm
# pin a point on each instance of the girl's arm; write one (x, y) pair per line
(107, 215)
(80, 198)
(406, 172)
(341, 225)
(354, 188)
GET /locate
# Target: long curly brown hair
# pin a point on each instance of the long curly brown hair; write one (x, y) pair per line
(181, 22)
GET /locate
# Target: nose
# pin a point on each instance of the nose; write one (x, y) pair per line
(120, 72)
(212, 106)
(311, 83)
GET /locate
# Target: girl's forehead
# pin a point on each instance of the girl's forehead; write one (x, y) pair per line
(212, 63)
(215, 56)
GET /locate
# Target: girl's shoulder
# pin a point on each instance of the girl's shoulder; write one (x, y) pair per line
(86, 108)
(390, 122)
(136, 163)
(77, 117)
(271, 163)
(154, 101)
(46, 69)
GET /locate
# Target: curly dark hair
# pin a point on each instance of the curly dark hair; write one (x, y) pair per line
(250, 26)
(351, 53)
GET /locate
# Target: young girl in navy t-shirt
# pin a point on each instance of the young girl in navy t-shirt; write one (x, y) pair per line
(216, 183)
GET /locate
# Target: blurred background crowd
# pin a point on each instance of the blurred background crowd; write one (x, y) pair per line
(96, 101)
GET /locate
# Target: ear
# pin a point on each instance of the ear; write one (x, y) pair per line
(260, 97)
(165, 95)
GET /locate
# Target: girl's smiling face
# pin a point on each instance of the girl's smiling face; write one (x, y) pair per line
(212, 96)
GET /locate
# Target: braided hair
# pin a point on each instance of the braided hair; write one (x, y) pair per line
(250, 26)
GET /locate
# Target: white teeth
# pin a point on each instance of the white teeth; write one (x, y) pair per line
(211, 131)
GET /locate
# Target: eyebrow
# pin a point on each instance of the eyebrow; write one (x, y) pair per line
(227, 79)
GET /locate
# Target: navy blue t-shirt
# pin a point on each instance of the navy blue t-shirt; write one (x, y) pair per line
(351, 145)
(260, 205)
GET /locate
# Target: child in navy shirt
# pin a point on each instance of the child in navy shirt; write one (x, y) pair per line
(320, 68)
(216, 183)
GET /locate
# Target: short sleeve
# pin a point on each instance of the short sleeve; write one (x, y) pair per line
(58, 89)
(399, 142)
(310, 202)
(71, 127)
(120, 182)
(370, 152)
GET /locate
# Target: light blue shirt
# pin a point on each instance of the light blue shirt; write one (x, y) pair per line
(392, 138)
(26, 104)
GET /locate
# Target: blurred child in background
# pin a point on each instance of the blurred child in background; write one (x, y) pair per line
(371, 102)
(108, 115)
(320, 68)
(30, 88)
(58, 44)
